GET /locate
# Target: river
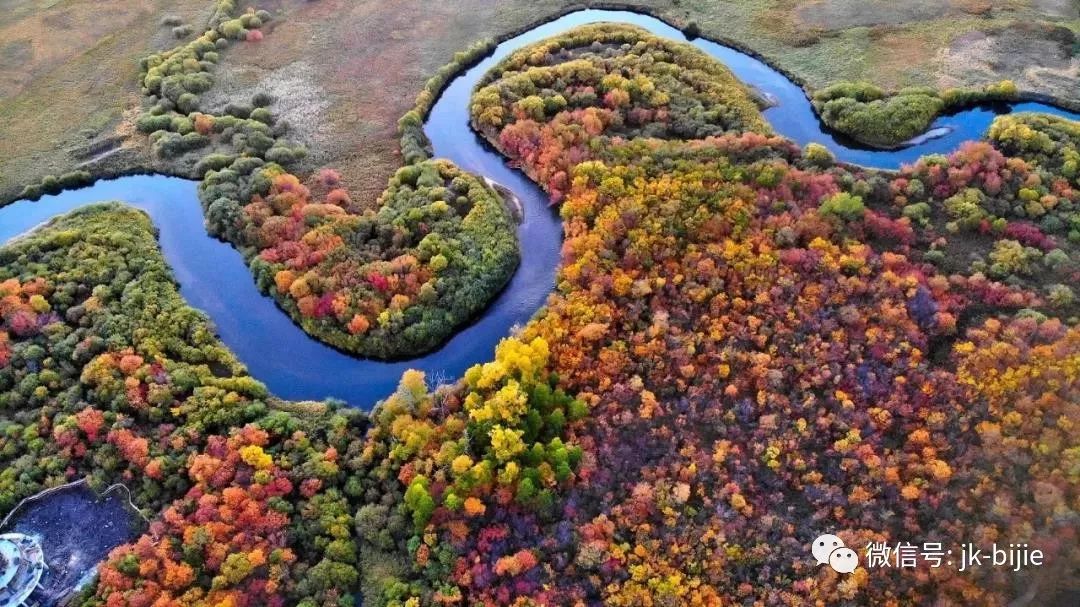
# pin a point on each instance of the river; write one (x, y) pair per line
(214, 278)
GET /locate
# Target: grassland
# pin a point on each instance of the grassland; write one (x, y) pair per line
(344, 72)
(70, 68)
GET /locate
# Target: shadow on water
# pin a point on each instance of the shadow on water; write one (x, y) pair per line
(214, 278)
(77, 529)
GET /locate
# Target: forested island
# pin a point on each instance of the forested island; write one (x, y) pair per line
(748, 343)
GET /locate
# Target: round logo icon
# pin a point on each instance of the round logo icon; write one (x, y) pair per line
(830, 550)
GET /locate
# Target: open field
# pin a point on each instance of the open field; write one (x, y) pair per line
(70, 69)
(343, 72)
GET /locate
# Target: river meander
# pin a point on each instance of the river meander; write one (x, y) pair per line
(214, 278)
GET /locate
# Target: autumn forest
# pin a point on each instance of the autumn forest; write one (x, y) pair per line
(748, 343)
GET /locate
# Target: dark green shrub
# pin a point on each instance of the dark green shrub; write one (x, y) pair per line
(414, 144)
(75, 179)
(262, 115)
(1055, 259)
(818, 155)
(918, 90)
(409, 120)
(197, 83)
(239, 110)
(31, 192)
(187, 103)
(844, 206)
(934, 256)
(882, 122)
(1060, 296)
(222, 123)
(172, 87)
(182, 125)
(859, 91)
(148, 123)
(245, 165)
(224, 216)
(214, 162)
(223, 11)
(233, 29)
(918, 213)
(203, 44)
(218, 177)
(262, 99)
(284, 155)
(999, 91)
(171, 145)
(254, 143)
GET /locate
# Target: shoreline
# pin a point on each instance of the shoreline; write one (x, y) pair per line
(118, 167)
(511, 201)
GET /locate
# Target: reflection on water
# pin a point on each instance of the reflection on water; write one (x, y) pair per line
(77, 529)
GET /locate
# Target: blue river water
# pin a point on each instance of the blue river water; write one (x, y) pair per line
(214, 278)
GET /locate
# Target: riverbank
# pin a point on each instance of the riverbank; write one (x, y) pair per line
(355, 126)
(214, 278)
(713, 292)
(670, 353)
(69, 84)
(163, 407)
(510, 200)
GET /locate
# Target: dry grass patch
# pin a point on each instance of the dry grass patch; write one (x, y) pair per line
(70, 69)
(1038, 57)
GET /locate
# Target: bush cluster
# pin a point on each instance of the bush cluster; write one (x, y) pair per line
(106, 373)
(869, 115)
(608, 81)
(51, 184)
(389, 282)
(173, 80)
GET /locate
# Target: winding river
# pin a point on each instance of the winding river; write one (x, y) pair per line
(214, 278)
